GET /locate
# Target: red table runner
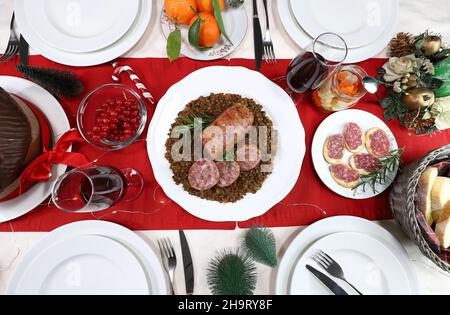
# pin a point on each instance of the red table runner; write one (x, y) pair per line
(309, 201)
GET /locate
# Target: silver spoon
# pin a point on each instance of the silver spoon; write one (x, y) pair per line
(372, 85)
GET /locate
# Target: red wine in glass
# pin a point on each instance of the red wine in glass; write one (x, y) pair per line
(306, 72)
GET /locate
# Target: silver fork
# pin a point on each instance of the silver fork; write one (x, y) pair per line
(332, 267)
(269, 54)
(169, 260)
(13, 44)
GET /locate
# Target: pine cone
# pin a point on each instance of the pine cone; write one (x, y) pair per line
(402, 45)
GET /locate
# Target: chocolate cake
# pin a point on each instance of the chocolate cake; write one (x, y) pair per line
(20, 140)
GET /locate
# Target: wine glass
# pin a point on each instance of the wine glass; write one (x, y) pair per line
(95, 188)
(316, 62)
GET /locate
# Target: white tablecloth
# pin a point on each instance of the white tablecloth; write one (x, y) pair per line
(415, 17)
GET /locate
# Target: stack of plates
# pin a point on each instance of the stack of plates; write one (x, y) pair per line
(371, 257)
(89, 258)
(82, 32)
(366, 25)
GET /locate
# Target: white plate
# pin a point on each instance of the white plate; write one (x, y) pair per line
(367, 263)
(81, 25)
(109, 53)
(146, 256)
(84, 265)
(359, 22)
(280, 109)
(302, 39)
(236, 24)
(340, 224)
(59, 123)
(334, 124)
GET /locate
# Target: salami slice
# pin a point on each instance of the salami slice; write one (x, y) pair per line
(354, 137)
(334, 147)
(248, 157)
(344, 175)
(203, 175)
(378, 142)
(229, 173)
(365, 163)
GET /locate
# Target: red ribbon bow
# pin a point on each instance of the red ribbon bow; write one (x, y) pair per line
(40, 169)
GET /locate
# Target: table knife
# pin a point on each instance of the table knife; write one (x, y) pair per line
(23, 51)
(187, 264)
(330, 284)
(257, 36)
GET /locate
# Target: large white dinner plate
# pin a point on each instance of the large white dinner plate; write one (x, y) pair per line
(146, 256)
(359, 22)
(59, 123)
(117, 49)
(368, 264)
(84, 265)
(334, 124)
(279, 107)
(81, 25)
(340, 224)
(236, 24)
(303, 39)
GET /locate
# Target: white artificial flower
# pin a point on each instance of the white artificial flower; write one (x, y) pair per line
(396, 68)
(442, 107)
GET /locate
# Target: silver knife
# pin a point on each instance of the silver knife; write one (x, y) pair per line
(257, 36)
(187, 264)
(330, 284)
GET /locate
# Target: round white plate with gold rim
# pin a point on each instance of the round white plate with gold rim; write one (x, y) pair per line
(236, 25)
(251, 84)
(50, 107)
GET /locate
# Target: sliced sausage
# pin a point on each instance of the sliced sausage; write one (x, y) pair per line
(204, 175)
(333, 149)
(229, 173)
(378, 142)
(229, 128)
(344, 175)
(354, 137)
(365, 163)
(248, 157)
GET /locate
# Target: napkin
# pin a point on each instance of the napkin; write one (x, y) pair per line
(6, 9)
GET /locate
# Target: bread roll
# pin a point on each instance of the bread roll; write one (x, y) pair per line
(424, 189)
(443, 227)
(440, 196)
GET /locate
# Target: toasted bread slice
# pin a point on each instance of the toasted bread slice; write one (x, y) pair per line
(347, 184)
(362, 171)
(440, 196)
(326, 152)
(424, 189)
(443, 227)
(363, 141)
(369, 146)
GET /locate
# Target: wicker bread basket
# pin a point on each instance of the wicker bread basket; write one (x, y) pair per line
(403, 206)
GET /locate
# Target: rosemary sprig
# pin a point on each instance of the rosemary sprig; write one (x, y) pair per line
(187, 123)
(388, 165)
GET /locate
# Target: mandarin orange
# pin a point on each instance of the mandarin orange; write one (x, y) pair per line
(207, 6)
(180, 11)
(209, 29)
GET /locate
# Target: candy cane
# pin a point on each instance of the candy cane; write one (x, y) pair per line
(118, 70)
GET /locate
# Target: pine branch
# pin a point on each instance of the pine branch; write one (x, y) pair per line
(58, 82)
(232, 273)
(259, 244)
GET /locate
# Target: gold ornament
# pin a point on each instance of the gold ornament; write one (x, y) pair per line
(417, 98)
(431, 45)
(412, 81)
(402, 45)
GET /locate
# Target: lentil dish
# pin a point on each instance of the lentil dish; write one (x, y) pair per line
(249, 181)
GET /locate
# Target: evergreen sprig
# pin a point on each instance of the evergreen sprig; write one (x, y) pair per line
(60, 83)
(187, 123)
(232, 273)
(260, 245)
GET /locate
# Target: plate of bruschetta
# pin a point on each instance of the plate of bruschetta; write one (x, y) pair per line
(349, 147)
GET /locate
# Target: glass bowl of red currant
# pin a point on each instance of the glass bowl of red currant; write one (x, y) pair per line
(112, 117)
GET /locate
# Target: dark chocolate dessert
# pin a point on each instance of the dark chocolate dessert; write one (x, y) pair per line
(20, 141)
